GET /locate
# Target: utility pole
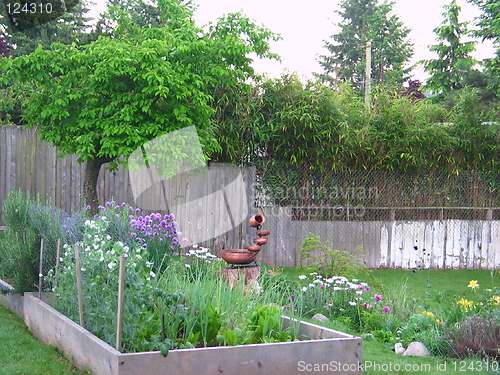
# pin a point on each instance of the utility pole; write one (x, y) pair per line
(368, 73)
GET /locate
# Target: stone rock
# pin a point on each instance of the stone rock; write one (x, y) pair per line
(417, 349)
(398, 348)
(320, 318)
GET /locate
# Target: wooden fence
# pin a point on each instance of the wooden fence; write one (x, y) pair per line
(471, 244)
(209, 207)
(213, 208)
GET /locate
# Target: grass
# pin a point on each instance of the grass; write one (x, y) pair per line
(23, 354)
(431, 289)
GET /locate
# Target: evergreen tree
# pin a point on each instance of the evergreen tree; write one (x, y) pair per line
(362, 21)
(489, 29)
(454, 59)
(65, 23)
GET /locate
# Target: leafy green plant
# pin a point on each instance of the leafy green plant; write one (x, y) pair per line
(328, 262)
(20, 247)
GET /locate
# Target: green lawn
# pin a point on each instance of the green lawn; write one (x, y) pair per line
(23, 354)
(431, 289)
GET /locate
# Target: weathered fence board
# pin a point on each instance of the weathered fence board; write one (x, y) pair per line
(398, 244)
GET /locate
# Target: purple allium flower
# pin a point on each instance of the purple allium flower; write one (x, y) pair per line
(88, 207)
(137, 210)
(184, 239)
(387, 309)
(100, 207)
(377, 297)
(124, 204)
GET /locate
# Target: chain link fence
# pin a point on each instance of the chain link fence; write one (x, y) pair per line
(378, 195)
(393, 215)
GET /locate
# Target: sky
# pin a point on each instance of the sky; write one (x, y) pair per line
(304, 25)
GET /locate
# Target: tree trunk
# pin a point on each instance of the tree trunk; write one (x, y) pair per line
(248, 274)
(90, 183)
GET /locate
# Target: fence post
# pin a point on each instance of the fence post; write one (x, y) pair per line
(40, 270)
(121, 289)
(58, 252)
(79, 284)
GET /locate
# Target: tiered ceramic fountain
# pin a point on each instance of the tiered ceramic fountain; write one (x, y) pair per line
(242, 261)
(248, 255)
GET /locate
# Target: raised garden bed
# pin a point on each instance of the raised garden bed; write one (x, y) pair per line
(327, 348)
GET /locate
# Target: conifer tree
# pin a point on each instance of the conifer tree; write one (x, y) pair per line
(362, 21)
(453, 55)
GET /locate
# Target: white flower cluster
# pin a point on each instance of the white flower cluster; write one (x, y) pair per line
(200, 253)
(337, 282)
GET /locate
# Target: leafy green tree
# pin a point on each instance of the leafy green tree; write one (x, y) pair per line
(489, 29)
(453, 55)
(362, 21)
(141, 13)
(106, 99)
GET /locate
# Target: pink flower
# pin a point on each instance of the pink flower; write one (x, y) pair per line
(321, 286)
(387, 309)
(377, 297)
(184, 239)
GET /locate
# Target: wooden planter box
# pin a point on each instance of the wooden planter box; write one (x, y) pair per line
(328, 350)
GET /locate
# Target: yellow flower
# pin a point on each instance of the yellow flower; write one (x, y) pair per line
(473, 284)
(496, 300)
(466, 305)
(429, 314)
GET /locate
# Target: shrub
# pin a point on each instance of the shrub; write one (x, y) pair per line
(329, 262)
(19, 250)
(29, 221)
(476, 335)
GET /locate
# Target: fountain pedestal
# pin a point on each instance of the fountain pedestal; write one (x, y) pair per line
(247, 274)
